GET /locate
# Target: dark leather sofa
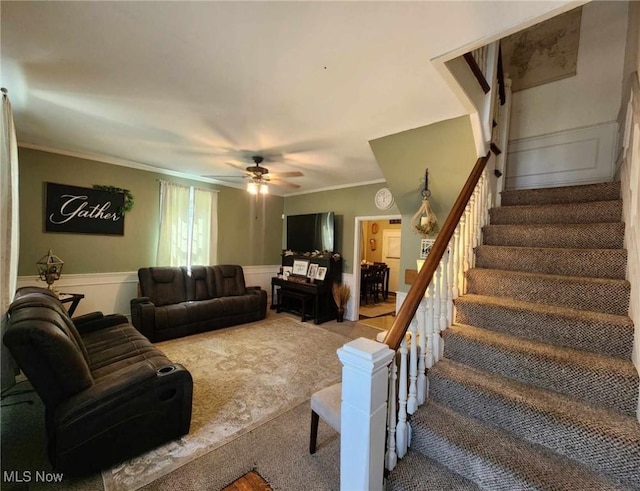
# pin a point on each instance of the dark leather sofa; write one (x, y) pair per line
(109, 394)
(177, 302)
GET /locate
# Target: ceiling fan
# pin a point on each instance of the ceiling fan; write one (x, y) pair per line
(259, 177)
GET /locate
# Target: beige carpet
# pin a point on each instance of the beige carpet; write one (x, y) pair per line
(243, 376)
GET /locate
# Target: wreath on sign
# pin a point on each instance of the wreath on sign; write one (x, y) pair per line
(128, 197)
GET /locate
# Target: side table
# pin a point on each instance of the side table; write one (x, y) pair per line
(74, 298)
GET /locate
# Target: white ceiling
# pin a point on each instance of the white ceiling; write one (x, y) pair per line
(192, 86)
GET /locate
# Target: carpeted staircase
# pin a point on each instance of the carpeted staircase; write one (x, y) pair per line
(536, 390)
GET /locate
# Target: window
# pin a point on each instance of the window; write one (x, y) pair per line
(188, 225)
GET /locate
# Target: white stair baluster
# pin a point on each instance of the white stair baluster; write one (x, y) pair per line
(476, 231)
(450, 281)
(436, 313)
(444, 266)
(455, 262)
(391, 457)
(430, 360)
(412, 401)
(468, 253)
(483, 200)
(402, 430)
(421, 315)
(461, 253)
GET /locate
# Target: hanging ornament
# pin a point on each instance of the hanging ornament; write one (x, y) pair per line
(424, 221)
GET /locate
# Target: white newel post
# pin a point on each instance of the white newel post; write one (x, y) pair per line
(365, 378)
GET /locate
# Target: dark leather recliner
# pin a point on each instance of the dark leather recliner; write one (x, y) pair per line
(108, 393)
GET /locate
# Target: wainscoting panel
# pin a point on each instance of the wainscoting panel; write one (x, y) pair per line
(105, 292)
(577, 156)
(261, 276)
(112, 292)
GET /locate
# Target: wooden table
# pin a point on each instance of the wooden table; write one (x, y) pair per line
(73, 298)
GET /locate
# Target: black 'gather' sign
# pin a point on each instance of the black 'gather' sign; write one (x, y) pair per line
(83, 210)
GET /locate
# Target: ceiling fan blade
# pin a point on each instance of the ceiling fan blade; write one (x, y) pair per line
(224, 177)
(294, 173)
(284, 184)
(236, 166)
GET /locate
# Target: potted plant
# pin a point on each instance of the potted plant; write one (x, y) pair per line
(341, 295)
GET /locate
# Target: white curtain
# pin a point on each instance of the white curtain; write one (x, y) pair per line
(188, 226)
(9, 226)
(205, 227)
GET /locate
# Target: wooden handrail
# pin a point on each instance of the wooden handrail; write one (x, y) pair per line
(477, 71)
(416, 292)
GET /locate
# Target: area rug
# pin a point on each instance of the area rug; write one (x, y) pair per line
(377, 309)
(243, 376)
(383, 323)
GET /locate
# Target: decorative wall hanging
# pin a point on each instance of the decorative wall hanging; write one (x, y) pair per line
(80, 210)
(543, 53)
(424, 221)
(128, 197)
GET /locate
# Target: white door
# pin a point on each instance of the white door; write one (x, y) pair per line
(391, 255)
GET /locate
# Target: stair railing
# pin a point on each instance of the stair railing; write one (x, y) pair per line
(428, 308)
(384, 383)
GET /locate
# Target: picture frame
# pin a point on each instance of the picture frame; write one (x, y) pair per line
(300, 267)
(425, 247)
(313, 270)
(322, 272)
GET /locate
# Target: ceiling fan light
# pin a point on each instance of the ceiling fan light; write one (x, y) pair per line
(264, 189)
(252, 188)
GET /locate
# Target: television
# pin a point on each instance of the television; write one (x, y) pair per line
(311, 232)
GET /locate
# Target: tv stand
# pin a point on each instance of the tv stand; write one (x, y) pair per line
(323, 306)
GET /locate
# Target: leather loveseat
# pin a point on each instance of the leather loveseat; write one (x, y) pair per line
(109, 394)
(177, 302)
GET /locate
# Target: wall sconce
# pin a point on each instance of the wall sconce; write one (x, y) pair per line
(424, 221)
(49, 268)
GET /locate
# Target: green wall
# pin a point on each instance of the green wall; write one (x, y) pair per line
(249, 232)
(347, 204)
(447, 150)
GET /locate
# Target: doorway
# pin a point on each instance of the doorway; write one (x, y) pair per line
(377, 240)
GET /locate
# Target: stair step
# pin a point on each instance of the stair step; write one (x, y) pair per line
(588, 377)
(595, 263)
(591, 212)
(604, 441)
(607, 334)
(566, 194)
(575, 235)
(595, 294)
(494, 459)
(416, 471)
